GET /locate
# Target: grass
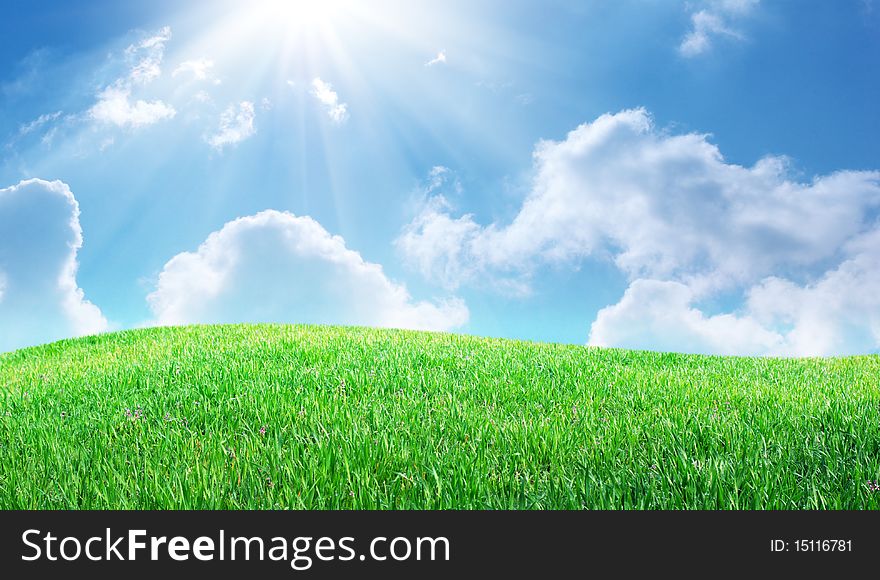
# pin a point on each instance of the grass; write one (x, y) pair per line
(269, 416)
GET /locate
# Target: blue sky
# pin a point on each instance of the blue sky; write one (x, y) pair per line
(697, 176)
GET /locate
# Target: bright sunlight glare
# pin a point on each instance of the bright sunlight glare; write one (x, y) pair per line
(300, 14)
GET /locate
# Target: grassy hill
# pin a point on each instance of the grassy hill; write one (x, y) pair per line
(272, 416)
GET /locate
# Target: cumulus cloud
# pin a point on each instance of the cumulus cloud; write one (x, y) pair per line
(116, 107)
(40, 299)
(236, 125)
(115, 104)
(667, 208)
(839, 313)
(278, 267)
(717, 18)
(659, 315)
(439, 59)
(336, 110)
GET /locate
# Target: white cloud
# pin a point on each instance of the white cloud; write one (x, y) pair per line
(39, 297)
(441, 177)
(336, 110)
(438, 245)
(663, 208)
(115, 104)
(659, 315)
(28, 128)
(275, 266)
(200, 69)
(718, 18)
(837, 314)
(115, 107)
(236, 125)
(435, 243)
(147, 56)
(439, 59)
(660, 206)
(49, 136)
(157, 41)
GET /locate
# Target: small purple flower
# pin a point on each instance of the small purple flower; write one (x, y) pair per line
(134, 416)
(263, 429)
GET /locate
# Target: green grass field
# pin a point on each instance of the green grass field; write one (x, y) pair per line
(272, 416)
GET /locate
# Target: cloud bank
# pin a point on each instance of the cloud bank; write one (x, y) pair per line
(278, 267)
(686, 228)
(40, 299)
